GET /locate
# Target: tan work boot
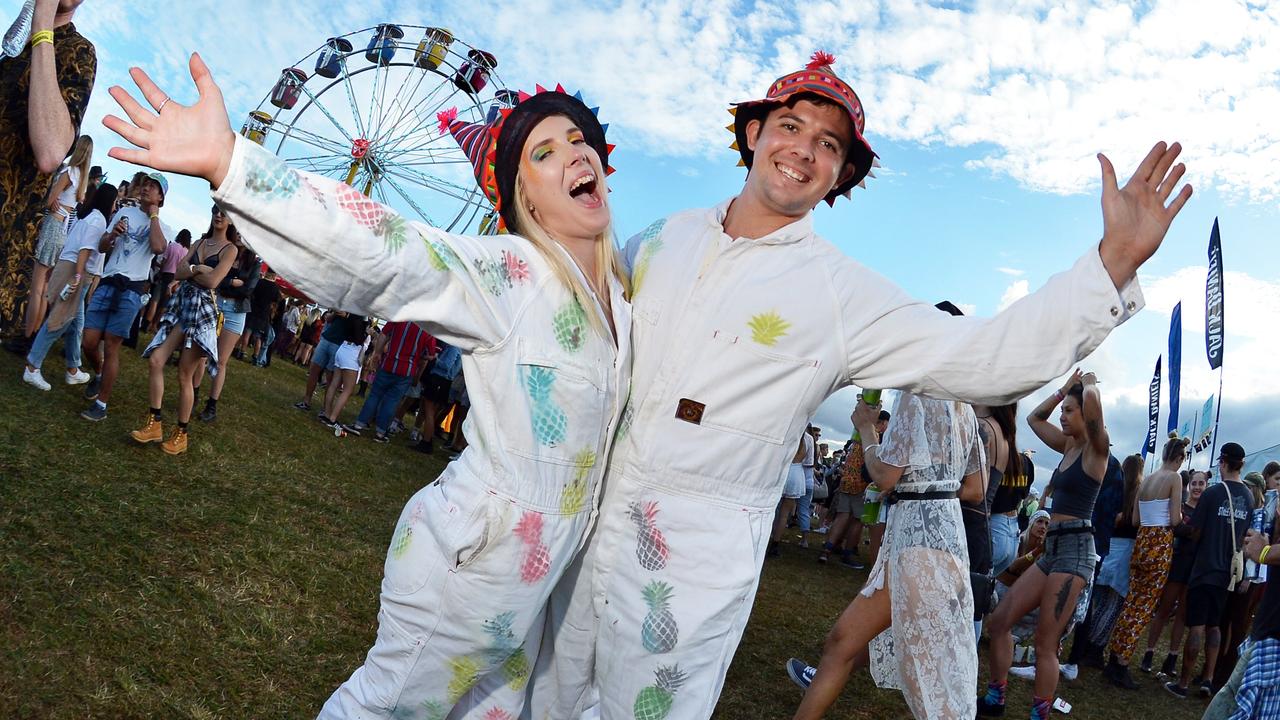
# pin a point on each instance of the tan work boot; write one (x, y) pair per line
(153, 431)
(177, 442)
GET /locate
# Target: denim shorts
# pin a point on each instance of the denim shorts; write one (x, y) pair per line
(113, 310)
(325, 353)
(231, 321)
(1068, 548)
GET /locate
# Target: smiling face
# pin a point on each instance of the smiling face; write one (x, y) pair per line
(1196, 487)
(800, 155)
(220, 220)
(562, 179)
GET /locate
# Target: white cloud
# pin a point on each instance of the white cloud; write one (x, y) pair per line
(1014, 272)
(1017, 290)
(1036, 89)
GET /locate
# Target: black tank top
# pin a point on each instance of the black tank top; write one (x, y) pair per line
(1074, 492)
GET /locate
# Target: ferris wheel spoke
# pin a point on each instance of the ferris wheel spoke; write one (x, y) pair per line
(317, 141)
(424, 121)
(465, 194)
(405, 104)
(419, 142)
(315, 100)
(373, 95)
(408, 199)
(385, 111)
(351, 98)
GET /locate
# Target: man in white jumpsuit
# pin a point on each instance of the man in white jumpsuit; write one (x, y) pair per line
(744, 322)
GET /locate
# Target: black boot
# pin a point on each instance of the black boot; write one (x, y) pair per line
(1169, 668)
(1119, 674)
(1147, 658)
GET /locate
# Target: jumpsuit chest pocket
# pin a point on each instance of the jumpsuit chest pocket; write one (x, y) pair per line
(564, 401)
(742, 389)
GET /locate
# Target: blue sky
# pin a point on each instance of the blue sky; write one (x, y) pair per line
(987, 122)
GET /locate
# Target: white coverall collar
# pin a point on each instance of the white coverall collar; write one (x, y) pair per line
(795, 232)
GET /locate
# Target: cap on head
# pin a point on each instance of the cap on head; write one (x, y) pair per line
(1232, 451)
(817, 78)
(494, 148)
(161, 181)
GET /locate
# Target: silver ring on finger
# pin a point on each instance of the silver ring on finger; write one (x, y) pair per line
(162, 104)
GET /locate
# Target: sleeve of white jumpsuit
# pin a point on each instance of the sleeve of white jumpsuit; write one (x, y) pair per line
(349, 252)
(894, 341)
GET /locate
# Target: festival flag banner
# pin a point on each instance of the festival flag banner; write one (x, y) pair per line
(1188, 427)
(1206, 418)
(1175, 364)
(1214, 310)
(1153, 414)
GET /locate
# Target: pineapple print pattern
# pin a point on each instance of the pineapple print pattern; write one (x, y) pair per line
(659, 633)
(500, 275)
(766, 328)
(549, 422)
(384, 223)
(504, 651)
(537, 556)
(464, 674)
(268, 176)
(404, 534)
(571, 325)
(651, 545)
(624, 425)
(442, 256)
(435, 710)
(498, 714)
(574, 495)
(654, 702)
(650, 244)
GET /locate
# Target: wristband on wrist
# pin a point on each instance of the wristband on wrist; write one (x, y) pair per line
(1058, 394)
(42, 37)
(1262, 557)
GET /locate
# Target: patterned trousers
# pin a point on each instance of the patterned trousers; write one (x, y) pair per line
(1148, 570)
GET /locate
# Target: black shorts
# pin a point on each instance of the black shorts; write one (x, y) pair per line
(1180, 568)
(1205, 604)
(435, 389)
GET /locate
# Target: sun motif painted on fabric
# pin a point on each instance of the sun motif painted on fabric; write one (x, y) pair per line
(767, 327)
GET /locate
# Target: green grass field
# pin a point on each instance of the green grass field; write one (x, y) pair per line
(241, 579)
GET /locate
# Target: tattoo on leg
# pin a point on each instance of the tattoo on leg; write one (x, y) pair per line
(1063, 594)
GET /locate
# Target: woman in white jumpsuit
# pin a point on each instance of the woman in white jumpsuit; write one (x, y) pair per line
(475, 553)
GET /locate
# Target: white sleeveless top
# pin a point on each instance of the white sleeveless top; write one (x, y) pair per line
(1154, 513)
(68, 196)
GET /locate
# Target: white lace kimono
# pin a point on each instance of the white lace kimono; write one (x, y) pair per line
(929, 651)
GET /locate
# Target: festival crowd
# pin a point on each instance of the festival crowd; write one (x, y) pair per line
(686, 366)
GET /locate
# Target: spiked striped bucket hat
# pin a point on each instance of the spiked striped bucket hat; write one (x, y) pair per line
(494, 148)
(817, 78)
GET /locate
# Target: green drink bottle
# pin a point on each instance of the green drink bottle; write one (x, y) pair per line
(870, 397)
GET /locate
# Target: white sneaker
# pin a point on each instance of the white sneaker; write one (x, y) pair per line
(1069, 672)
(1026, 672)
(79, 377)
(34, 379)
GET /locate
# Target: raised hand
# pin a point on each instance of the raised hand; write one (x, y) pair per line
(193, 140)
(1135, 217)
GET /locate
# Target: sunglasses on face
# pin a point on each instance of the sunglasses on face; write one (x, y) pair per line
(218, 212)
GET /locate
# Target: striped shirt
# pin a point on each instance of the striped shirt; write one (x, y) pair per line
(406, 343)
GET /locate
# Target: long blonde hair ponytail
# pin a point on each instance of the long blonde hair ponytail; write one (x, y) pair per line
(81, 157)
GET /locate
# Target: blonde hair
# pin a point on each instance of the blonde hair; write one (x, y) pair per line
(81, 156)
(608, 259)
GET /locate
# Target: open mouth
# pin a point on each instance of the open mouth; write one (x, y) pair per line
(791, 173)
(584, 191)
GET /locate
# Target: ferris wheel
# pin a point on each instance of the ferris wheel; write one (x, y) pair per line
(367, 115)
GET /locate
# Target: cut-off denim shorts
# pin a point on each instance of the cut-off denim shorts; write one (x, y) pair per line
(1068, 548)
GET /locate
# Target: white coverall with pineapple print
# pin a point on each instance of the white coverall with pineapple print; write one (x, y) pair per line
(736, 343)
(476, 553)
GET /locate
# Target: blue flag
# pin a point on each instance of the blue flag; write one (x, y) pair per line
(1153, 414)
(1175, 364)
(1206, 419)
